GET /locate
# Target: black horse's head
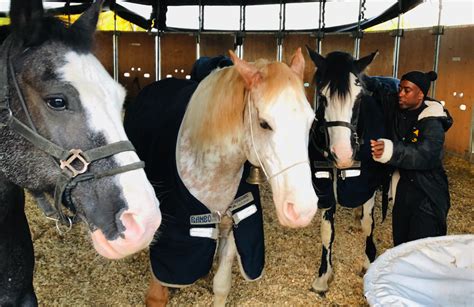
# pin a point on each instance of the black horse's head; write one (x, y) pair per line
(61, 130)
(339, 88)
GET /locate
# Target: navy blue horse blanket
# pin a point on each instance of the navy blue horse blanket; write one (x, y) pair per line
(186, 240)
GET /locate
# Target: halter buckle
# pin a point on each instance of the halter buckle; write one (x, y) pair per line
(76, 154)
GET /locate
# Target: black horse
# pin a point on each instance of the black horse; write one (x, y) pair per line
(344, 171)
(61, 135)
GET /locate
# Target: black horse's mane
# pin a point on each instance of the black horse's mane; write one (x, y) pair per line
(52, 29)
(336, 72)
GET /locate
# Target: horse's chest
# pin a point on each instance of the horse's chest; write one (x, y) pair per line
(187, 241)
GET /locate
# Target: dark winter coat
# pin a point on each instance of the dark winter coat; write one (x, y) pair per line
(418, 153)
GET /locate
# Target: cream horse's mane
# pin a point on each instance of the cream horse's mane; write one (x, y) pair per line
(217, 107)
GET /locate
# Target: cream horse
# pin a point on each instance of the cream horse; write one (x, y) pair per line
(250, 111)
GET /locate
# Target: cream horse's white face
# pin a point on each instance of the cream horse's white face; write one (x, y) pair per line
(277, 122)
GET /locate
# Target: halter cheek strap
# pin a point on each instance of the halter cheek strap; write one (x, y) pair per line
(268, 177)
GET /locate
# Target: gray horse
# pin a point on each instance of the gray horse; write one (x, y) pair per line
(61, 138)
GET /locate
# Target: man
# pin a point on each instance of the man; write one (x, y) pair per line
(416, 127)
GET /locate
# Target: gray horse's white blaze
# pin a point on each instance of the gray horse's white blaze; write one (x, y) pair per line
(134, 207)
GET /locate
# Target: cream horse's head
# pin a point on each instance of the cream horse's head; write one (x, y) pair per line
(276, 123)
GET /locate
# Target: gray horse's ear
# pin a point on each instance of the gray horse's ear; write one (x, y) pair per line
(317, 59)
(25, 16)
(362, 63)
(87, 22)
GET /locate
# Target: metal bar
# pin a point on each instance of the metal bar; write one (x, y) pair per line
(356, 52)
(281, 28)
(357, 47)
(471, 141)
(396, 50)
(239, 36)
(158, 56)
(115, 51)
(437, 48)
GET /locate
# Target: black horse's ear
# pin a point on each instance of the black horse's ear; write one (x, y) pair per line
(87, 22)
(26, 16)
(362, 63)
(318, 59)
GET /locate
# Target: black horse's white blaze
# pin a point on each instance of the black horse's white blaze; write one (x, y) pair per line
(346, 121)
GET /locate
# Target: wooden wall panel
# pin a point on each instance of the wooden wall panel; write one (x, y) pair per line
(178, 54)
(103, 50)
(456, 72)
(416, 51)
(382, 65)
(216, 44)
(257, 46)
(290, 43)
(337, 42)
(136, 57)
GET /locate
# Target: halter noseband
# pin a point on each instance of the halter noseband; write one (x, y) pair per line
(70, 175)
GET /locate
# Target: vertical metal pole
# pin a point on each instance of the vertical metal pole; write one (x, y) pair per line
(115, 51)
(158, 56)
(438, 33)
(280, 31)
(319, 44)
(157, 23)
(396, 50)
(201, 27)
(279, 51)
(357, 47)
(396, 47)
(471, 145)
(198, 46)
(239, 38)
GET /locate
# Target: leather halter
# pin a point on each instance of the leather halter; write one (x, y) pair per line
(69, 176)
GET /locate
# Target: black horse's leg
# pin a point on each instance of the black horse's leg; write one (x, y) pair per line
(367, 222)
(325, 275)
(16, 249)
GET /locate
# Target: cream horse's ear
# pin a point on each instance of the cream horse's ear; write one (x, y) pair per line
(247, 71)
(297, 63)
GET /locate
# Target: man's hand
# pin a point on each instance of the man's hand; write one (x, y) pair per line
(377, 148)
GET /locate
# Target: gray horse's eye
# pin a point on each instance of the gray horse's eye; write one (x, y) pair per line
(357, 82)
(265, 125)
(56, 103)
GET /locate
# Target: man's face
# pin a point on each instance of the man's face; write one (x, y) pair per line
(410, 96)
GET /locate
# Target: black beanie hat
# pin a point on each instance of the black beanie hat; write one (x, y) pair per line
(421, 79)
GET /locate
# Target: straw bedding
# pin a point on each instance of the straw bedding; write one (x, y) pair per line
(69, 272)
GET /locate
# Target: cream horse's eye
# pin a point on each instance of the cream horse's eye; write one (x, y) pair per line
(265, 125)
(357, 82)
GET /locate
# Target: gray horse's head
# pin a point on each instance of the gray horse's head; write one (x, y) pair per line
(74, 103)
